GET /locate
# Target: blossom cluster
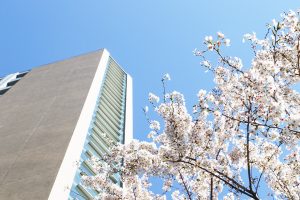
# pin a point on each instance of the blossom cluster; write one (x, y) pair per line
(243, 134)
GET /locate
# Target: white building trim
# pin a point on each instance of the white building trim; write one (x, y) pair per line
(128, 117)
(64, 179)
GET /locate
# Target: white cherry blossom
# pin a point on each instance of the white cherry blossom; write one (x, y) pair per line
(153, 98)
(241, 141)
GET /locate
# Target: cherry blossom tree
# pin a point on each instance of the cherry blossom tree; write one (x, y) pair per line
(240, 142)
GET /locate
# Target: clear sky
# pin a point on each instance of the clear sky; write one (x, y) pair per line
(148, 38)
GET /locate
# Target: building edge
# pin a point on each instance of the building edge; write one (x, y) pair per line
(129, 116)
(64, 179)
(128, 111)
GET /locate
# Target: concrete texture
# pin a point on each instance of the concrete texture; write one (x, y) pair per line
(38, 116)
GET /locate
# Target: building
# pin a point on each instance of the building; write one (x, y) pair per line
(10, 80)
(54, 117)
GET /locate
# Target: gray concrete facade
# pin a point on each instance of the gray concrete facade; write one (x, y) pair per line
(38, 117)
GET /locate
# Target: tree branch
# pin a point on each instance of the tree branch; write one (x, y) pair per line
(185, 186)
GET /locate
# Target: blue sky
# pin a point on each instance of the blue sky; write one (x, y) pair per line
(148, 38)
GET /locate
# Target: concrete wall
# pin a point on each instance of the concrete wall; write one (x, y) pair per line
(37, 119)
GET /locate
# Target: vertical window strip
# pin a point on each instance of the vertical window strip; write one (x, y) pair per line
(107, 124)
